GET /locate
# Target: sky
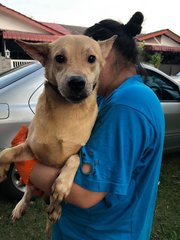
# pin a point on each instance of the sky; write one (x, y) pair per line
(158, 14)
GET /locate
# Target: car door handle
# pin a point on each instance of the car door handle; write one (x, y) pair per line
(4, 110)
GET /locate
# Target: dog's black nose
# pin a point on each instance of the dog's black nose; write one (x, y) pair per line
(76, 83)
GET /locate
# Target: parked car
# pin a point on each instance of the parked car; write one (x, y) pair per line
(176, 78)
(19, 92)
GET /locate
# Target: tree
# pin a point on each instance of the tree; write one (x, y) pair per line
(156, 59)
(141, 51)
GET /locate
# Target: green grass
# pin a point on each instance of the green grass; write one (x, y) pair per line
(167, 214)
(30, 227)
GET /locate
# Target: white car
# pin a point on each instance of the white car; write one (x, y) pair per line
(176, 78)
(19, 92)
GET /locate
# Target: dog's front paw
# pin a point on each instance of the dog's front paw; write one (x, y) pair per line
(3, 171)
(61, 189)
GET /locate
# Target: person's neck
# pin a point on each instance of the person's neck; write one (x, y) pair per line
(118, 78)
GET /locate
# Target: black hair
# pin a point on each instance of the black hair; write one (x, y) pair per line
(125, 43)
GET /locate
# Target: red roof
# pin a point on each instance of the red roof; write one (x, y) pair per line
(57, 27)
(29, 36)
(29, 20)
(53, 30)
(165, 32)
(162, 48)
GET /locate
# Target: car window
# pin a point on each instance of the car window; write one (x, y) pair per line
(163, 87)
(18, 73)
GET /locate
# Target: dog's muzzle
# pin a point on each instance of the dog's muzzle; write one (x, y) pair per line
(76, 84)
(77, 89)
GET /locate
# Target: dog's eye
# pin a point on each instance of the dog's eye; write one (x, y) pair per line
(60, 59)
(91, 59)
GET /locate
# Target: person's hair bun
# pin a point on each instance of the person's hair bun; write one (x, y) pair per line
(133, 27)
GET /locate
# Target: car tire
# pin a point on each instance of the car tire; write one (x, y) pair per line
(11, 187)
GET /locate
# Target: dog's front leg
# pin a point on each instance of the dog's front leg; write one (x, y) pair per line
(62, 186)
(21, 152)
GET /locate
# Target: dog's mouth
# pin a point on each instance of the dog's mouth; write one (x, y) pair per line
(73, 95)
(76, 99)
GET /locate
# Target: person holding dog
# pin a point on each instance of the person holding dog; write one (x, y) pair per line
(114, 191)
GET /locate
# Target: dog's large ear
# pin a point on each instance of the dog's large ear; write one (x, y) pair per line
(106, 45)
(38, 51)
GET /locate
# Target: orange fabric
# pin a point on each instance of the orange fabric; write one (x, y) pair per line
(24, 168)
(20, 136)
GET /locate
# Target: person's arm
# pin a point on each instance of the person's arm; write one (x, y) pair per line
(43, 177)
(84, 198)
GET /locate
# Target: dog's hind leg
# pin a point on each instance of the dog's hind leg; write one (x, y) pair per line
(21, 152)
(23, 203)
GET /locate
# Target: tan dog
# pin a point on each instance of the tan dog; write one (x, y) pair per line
(65, 113)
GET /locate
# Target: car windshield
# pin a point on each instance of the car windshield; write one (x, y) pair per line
(15, 74)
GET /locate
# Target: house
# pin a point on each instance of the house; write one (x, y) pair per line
(168, 44)
(15, 25)
(75, 29)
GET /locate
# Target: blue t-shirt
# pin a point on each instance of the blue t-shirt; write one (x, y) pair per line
(125, 152)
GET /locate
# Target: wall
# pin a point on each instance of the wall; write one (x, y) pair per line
(9, 22)
(170, 69)
(5, 64)
(166, 41)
